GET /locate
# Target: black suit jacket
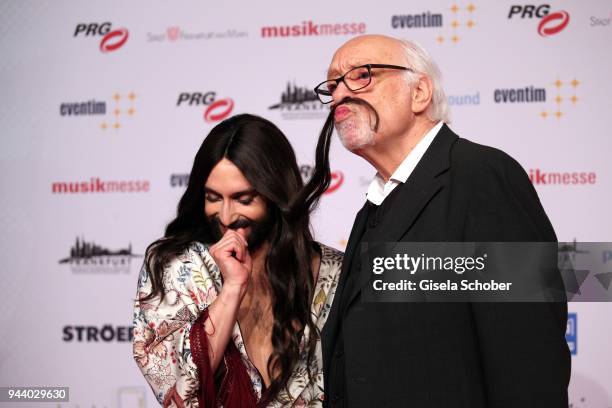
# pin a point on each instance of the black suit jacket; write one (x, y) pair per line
(445, 355)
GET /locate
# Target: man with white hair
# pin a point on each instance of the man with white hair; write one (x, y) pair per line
(388, 107)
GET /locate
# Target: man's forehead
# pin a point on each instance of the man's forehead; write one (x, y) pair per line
(369, 51)
(337, 68)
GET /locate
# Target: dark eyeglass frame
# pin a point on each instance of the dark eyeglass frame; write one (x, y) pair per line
(324, 92)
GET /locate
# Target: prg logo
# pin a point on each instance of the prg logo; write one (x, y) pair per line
(216, 109)
(550, 23)
(111, 40)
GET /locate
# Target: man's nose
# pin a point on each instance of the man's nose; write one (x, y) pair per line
(226, 214)
(341, 92)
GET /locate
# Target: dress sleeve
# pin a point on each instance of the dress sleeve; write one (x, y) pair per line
(161, 345)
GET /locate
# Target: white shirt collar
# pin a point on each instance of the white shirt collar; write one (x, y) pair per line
(379, 190)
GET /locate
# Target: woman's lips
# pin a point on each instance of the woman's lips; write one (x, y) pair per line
(341, 113)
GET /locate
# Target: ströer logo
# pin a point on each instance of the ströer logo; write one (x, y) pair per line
(114, 40)
(218, 110)
(553, 23)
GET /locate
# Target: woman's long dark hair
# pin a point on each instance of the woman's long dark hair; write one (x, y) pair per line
(265, 157)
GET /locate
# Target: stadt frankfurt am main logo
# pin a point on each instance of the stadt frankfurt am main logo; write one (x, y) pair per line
(88, 257)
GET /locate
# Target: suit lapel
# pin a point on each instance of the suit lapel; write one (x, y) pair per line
(422, 185)
(328, 334)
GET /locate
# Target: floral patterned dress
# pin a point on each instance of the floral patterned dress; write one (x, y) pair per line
(161, 345)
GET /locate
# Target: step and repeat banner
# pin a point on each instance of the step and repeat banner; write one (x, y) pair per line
(105, 103)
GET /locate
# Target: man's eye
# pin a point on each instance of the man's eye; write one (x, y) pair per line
(246, 200)
(331, 87)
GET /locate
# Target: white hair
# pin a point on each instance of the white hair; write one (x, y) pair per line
(419, 60)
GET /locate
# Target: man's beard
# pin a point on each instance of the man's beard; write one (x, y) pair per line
(260, 230)
(356, 131)
(309, 196)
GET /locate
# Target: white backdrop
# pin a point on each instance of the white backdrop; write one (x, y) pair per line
(101, 118)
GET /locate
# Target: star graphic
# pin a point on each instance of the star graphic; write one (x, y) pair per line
(544, 114)
(559, 99)
(455, 24)
(470, 24)
(440, 39)
(558, 114)
(116, 97)
(454, 8)
(116, 125)
(471, 8)
(558, 83)
(575, 82)
(103, 125)
(132, 96)
(131, 111)
(117, 112)
(574, 99)
(455, 39)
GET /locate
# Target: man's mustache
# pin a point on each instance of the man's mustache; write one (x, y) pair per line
(239, 223)
(356, 101)
(310, 194)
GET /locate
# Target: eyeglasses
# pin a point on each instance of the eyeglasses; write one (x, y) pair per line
(355, 79)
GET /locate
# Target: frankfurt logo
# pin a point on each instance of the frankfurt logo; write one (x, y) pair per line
(88, 257)
(112, 39)
(300, 103)
(216, 109)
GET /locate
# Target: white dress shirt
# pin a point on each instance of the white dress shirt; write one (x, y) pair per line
(379, 190)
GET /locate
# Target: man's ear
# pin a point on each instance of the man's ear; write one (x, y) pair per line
(422, 92)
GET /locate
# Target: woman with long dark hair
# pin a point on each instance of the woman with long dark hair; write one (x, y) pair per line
(232, 299)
